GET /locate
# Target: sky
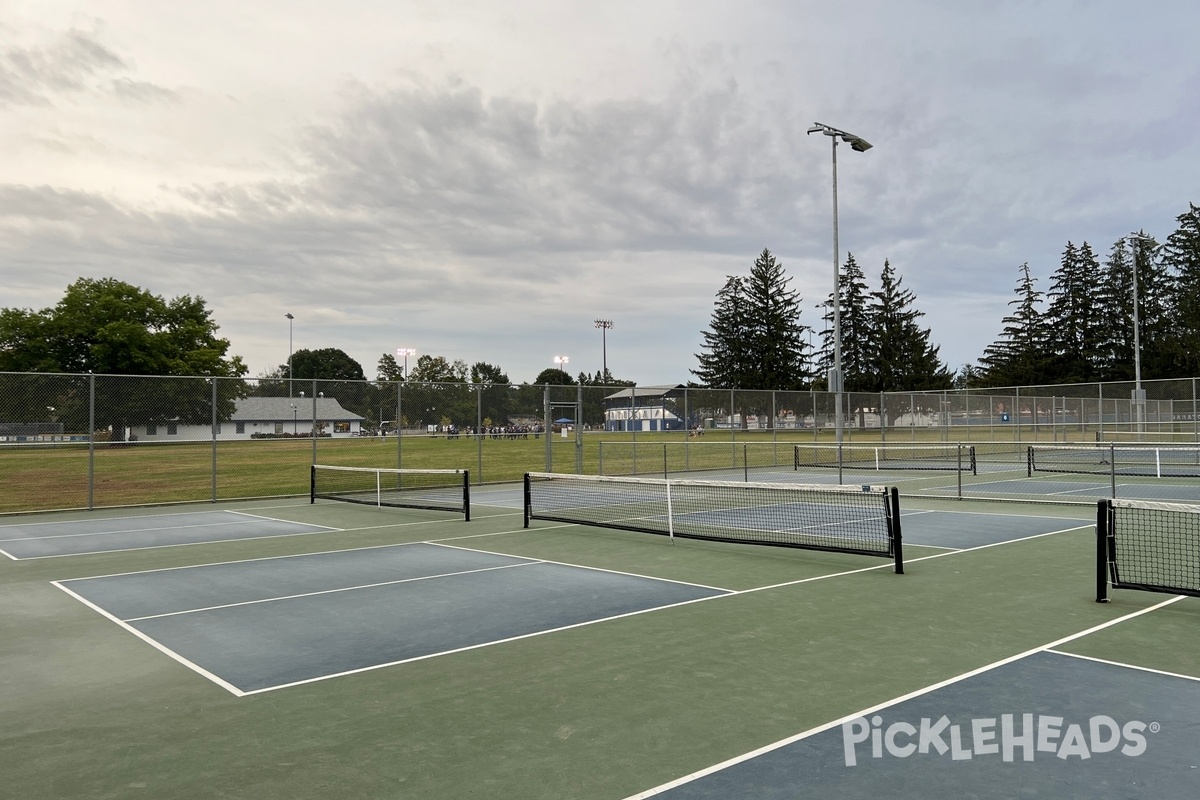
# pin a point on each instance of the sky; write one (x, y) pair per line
(482, 180)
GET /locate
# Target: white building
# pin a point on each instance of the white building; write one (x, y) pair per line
(643, 408)
(261, 418)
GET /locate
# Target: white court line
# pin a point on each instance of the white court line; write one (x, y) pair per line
(279, 519)
(131, 516)
(278, 598)
(1126, 665)
(314, 553)
(593, 569)
(155, 644)
(124, 531)
(174, 544)
(888, 703)
(482, 644)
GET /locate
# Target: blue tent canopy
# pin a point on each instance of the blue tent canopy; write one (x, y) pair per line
(564, 421)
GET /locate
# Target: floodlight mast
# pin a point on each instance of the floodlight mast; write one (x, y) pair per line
(290, 376)
(1139, 394)
(605, 325)
(835, 375)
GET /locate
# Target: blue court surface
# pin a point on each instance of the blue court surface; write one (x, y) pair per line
(1071, 490)
(82, 537)
(965, 529)
(1055, 725)
(252, 626)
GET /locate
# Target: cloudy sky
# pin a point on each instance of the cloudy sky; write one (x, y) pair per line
(481, 180)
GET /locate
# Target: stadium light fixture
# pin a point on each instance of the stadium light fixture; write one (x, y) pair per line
(1139, 394)
(405, 352)
(605, 325)
(835, 375)
(561, 362)
(289, 319)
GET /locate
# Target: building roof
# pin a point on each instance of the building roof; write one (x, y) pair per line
(287, 409)
(645, 392)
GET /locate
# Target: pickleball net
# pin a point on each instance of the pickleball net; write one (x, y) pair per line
(1111, 458)
(1151, 546)
(430, 489)
(950, 457)
(863, 520)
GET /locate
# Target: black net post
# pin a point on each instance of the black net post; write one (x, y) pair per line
(312, 484)
(1103, 520)
(466, 495)
(527, 501)
(897, 539)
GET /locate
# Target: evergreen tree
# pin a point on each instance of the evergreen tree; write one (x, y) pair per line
(1114, 312)
(779, 350)
(968, 377)
(727, 340)
(1018, 357)
(1071, 318)
(1181, 254)
(901, 354)
(1158, 300)
(755, 339)
(857, 348)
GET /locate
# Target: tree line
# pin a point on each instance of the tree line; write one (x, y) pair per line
(1082, 329)
(757, 339)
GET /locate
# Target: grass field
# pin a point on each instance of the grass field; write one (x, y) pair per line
(39, 478)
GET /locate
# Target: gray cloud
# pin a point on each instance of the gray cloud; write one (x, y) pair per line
(488, 222)
(71, 63)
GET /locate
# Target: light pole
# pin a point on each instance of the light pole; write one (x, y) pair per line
(405, 352)
(605, 325)
(1139, 394)
(835, 375)
(289, 319)
(295, 419)
(561, 362)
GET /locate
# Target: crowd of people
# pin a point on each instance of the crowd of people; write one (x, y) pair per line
(496, 431)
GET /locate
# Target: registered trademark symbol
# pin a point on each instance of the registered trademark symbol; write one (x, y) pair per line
(1155, 727)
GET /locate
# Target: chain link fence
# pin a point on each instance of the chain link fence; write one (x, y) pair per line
(91, 441)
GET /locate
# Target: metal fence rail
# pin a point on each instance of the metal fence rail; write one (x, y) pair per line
(82, 441)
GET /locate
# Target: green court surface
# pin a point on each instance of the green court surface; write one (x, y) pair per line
(775, 643)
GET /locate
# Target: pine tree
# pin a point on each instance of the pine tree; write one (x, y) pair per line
(1114, 312)
(901, 354)
(776, 334)
(1158, 302)
(1018, 357)
(857, 347)
(1071, 321)
(1181, 254)
(727, 340)
(755, 339)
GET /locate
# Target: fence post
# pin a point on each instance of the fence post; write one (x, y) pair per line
(214, 438)
(91, 504)
(479, 432)
(579, 429)
(549, 426)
